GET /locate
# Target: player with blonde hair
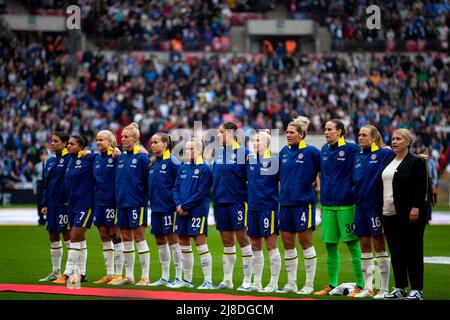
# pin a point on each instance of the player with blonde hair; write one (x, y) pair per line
(263, 195)
(132, 198)
(299, 166)
(105, 211)
(191, 196)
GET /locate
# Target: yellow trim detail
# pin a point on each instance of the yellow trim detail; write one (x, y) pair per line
(236, 145)
(203, 225)
(309, 215)
(110, 151)
(87, 218)
(199, 160)
(136, 149)
(174, 220)
(116, 217)
(302, 144)
(272, 222)
(80, 153)
(166, 155)
(141, 216)
(374, 147)
(341, 142)
(267, 154)
(245, 213)
(64, 152)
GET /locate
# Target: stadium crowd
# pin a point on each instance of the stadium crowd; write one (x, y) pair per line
(157, 25)
(413, 24)
(38, 95)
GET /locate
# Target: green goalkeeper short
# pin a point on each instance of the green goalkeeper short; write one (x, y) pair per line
(338, 222)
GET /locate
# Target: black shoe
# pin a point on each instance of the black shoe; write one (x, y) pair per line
(83, 278)
(41, 222)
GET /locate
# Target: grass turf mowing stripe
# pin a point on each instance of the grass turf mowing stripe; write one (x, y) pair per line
(130, 293)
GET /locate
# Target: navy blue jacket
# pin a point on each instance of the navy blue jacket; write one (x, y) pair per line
(367, 184)
(105, 179)
(262, 177)
(132, 179)
(192, 186)
(299, 166)
(80, 182)
(336, 173)
(161, 181)
(229, 175)
(54, 194)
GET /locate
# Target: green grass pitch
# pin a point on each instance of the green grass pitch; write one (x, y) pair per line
(25, 258)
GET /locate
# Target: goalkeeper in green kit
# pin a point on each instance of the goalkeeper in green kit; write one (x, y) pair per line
(338, 206)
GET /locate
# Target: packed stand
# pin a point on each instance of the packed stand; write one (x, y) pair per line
(37, 96)
(158, 25)
(405, 25)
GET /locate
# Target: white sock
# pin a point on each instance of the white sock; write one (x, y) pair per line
(258, 266)
(206, 260)
(178, 264)
(118, 258)
(129, 257)
(367, 269)
(383, 262)
(108, 255)
(56, 253)
(144, 258)
(83, 257)
(188, 262)
(228, 259)
(275, 267)
(291, 261)
(310, 266)
(72, 258)
(164, 259)
(247, 258)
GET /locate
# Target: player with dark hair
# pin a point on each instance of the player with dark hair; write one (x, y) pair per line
(338, 203)
(80, 183)
(54, 202)
(230, 204)
(161, 180)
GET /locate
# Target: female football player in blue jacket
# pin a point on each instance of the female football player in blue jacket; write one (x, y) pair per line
(368, 192)
(80, 183)
(105, 211)
(262, 176)
(132, 200)
(54, 202)
(299, 166)
(161, 179)
(230, 204)
(338, 203)
(191, 195)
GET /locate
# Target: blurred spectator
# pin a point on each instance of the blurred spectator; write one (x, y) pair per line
(38, 182)
(38, 95)
(413, 25)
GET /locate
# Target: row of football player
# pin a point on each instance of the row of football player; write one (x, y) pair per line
(250, 205)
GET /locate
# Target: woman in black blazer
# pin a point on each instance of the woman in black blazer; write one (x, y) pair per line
(405, 212)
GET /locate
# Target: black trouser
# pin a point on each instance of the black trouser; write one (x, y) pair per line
(39, 194)
(405, 242)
